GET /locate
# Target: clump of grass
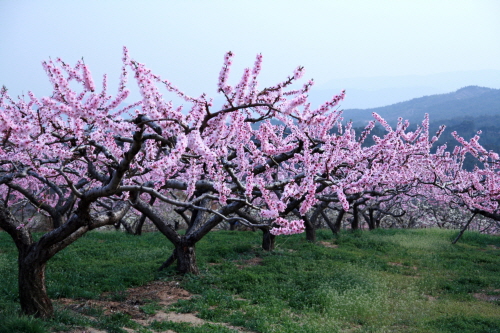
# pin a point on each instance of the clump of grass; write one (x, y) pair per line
(65, 319)
(115, 322)
(356, 296)
(466, 324)
(22, 324)
(150, 308)
(188, 328)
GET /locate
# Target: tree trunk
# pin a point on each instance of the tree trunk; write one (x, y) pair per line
(268, 240)
(463, 229)
(185, 255)
(140, 222)
(186, 259)
(31, 269)
(335, 227)
(355, 218)
(32, 291)
(371, 224)
(310, 230)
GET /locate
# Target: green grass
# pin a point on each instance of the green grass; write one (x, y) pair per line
(378, 281)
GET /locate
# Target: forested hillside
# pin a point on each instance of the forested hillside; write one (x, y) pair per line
(466, 111)
(471, 101)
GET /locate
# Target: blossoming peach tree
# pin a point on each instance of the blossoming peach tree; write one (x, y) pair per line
(475, 191)
(50, 155)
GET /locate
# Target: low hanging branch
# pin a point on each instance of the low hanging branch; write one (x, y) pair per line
(464, 228)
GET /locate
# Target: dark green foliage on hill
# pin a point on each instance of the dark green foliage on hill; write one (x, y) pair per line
(471, 101)
(466, 111)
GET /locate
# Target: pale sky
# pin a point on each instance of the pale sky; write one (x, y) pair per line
(185, 41)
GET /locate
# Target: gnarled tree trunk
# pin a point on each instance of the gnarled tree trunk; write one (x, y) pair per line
(186, 258)
(184, 252)
(185, 255)
(371, 220)
(34, 255)
(31, 269)
(335, 227)
(310, 230)
(32, 291)
(268, 239)
(355, 218)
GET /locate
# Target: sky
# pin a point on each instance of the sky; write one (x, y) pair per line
(185, 41)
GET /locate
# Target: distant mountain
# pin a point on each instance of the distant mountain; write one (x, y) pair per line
(371, 92)
(362, 99)
(466, 111)
(471, 101)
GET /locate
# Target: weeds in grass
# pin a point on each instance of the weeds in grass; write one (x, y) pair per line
(22, 324)
(187, 328)
(150, 308)
(466, 324)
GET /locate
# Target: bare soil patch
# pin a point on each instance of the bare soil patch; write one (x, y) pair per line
(173, 316)
(398, 264)
(250, 262)
(164, 293)
(488, 296)
(183, 318)
(327, 244)
(87, 330)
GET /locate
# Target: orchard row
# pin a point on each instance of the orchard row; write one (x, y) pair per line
(265, 158)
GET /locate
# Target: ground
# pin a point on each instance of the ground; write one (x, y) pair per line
(161, 293)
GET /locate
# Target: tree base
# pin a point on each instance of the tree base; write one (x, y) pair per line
(268, 240)
(32, 291)
(186, 260)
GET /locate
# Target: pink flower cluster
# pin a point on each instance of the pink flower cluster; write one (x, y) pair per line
(287, 227)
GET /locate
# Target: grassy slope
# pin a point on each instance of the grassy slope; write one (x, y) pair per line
(380, 281)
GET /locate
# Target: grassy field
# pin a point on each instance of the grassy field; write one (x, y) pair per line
(378, 281)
